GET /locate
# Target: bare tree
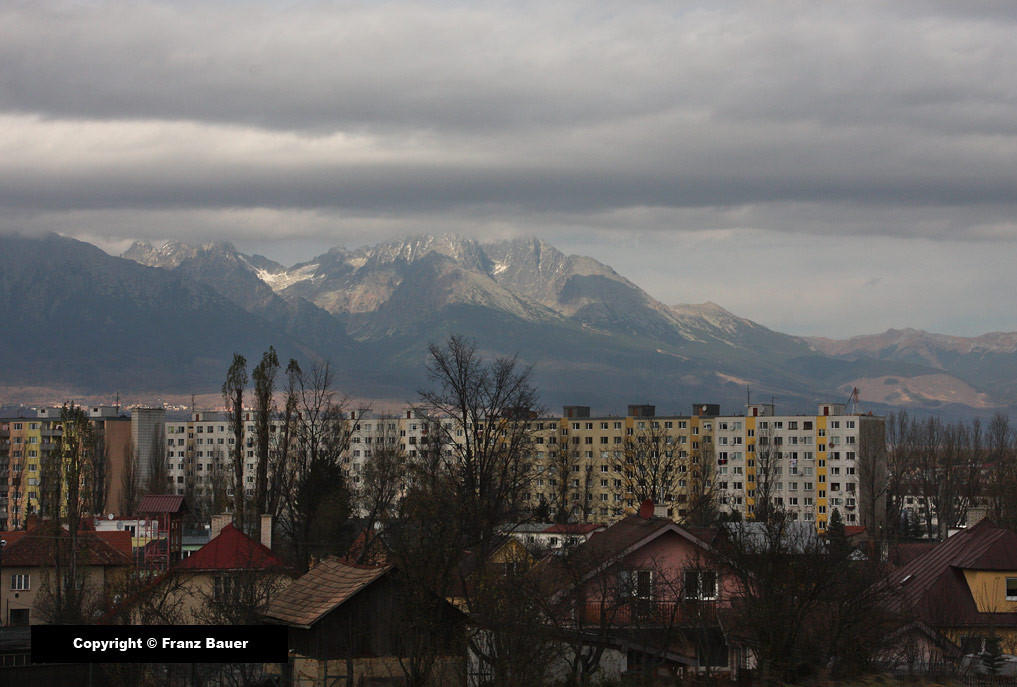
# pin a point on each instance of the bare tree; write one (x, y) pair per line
(219, 482)
(158, 467)
(282, 454)
(570, 475)
(63, 596)
(382, 482)
(482, 409)
(957, 471)
(651, 464)
(801, 605)
(765, 460)
(317, 504)
(873, 480)
(233, 396)
(424, 543)
(1001, 481)
(510, 636)
(264, 408)
(701, 508)
(129, 487)
(98, 473)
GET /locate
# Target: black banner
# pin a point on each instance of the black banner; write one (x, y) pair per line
(159, 644)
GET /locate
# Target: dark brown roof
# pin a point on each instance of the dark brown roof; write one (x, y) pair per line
(161, 503)
(903, 553)
(324, 588)
(38, 548)
(609, 546)
(933, 585)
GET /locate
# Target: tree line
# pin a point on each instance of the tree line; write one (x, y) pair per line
(937, 472)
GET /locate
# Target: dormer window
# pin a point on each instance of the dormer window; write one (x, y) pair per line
(1011, 589)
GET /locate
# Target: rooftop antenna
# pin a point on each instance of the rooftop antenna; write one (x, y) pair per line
(748, 395)
(853, 401)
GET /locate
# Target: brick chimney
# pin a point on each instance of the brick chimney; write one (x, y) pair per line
(646, 509)
(218, 522)
(266, 530)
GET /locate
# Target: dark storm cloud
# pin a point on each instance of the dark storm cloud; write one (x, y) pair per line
(342, 122)
(557, 108)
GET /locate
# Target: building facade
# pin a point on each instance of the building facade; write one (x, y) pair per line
(27, 441)
(600, 468)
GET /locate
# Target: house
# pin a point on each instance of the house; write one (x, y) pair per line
(555, 537)
(347, 619)
(229, 580)
(644, 595)
(31, 560)
(963, 590)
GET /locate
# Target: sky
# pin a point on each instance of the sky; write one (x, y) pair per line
(824, 169)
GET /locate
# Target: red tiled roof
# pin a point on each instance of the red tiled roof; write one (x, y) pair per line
(934, 587)
(121, 541)
(161, 503)
(324, 588)
(12, 536)
(37, 548)
(232, 550)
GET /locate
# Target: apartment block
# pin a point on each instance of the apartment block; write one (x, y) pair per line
(26, 442)
(807, 465)
(199, 452)
(585, 465)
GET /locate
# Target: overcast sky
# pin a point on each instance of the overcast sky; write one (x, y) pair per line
(822, 168)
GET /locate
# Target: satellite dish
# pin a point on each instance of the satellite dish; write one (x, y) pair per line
(110, 516)
(703, 409)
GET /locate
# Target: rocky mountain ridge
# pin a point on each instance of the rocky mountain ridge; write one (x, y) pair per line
(592, 336)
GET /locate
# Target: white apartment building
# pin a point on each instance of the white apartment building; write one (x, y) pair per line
(199, 446)
(194, 448)
(808, 465)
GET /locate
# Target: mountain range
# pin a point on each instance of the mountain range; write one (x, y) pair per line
(168, 318)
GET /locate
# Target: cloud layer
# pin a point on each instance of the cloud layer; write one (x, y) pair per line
(621, 129)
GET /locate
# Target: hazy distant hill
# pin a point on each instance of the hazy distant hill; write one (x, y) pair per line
(593, 336)
(77, 317)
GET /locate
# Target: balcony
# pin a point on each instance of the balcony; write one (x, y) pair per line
(646, 612)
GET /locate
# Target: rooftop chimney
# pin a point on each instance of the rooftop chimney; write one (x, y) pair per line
(218, 522)
(266, 530)
(646, 509)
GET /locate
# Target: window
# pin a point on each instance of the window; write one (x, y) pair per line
(1011, 589)
(700, 585)
(223, 586)
(637, 585)
(21, 582)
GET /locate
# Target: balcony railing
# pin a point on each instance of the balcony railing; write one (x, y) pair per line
(645, 612)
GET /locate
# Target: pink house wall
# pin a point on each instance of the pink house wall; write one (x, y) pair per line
(668, 557)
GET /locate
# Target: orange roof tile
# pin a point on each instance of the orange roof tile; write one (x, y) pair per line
(324, 588)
